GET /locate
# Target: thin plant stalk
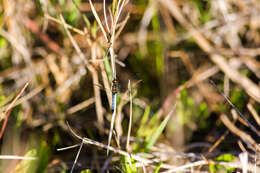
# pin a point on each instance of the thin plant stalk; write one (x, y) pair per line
(237, 110)
(5, 114)
(105, 15)
(13, 157)
(98, 104)
(98, 20)
(76, 159)
(69, 147)
(111, 127)
(130, 116)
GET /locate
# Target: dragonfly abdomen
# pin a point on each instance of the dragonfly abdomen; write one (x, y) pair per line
(115, 84)
(113, 107)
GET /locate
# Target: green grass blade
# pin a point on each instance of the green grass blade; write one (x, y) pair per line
(143, 121)
(128, 164)
(86, 171)
(159, 131)
(158, 168)
(108, 68)
(27, 166)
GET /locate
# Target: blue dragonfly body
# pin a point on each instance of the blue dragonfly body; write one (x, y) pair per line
(114, 90)
(115, 85)
(113, 107)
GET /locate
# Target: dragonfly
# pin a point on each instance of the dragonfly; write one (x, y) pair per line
(115, 90)
(115, 86)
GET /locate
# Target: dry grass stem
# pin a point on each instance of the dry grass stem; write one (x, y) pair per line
(122, 26)
(147, 17)
(254, 113)
(98, 20)
(15, 43)
(76, 158)
(32, 26)
(130, 116)
(6, 113)
(73, 49)
(12, 104)
(202, 76)
(226, 86)
(98, 104)
(67, 25)
(12, 157)
(26, 97)
(111, 127)
(81, 106)
(250, 167)
(244, 136)
(118, 151)
(74, 43)
(105, 16)
(243, 157)
(189, 165)
(69, 147)
(241, 146)
(251, 88)
(213, 147)
(253, 65)
(65, 85)
(236, 109)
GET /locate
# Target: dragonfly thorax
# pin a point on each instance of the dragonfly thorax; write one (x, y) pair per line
(115, 84)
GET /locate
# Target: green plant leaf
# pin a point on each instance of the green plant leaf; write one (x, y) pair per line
(43, 158)
(27, 166)
(143, 121)
(86, 171)
(223, 158)
(128, 164)
(157, 133)
(158, 168)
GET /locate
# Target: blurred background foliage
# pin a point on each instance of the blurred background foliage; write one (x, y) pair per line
(155, 47)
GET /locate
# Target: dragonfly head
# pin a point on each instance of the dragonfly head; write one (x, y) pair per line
(115, 81)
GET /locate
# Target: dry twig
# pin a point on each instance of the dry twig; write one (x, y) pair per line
(251, 88)
(244, 136)
(98, 103)
(6, 113)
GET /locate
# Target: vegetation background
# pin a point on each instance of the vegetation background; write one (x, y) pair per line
(55, 56)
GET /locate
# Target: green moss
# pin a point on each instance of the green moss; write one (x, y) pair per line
(222, 158)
